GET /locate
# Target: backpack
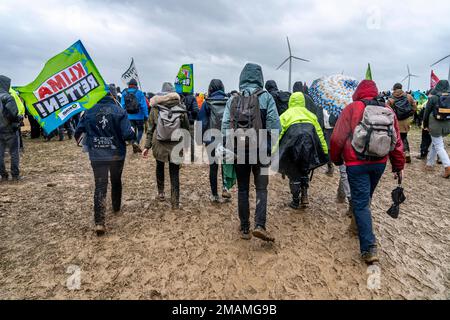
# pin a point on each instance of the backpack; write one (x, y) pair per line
(402, 108)
(10, 118)
(217, 109)
(282, 101)
(442, 113)
(131, 103)
(169, 120)
(245, 115)
(375, 137)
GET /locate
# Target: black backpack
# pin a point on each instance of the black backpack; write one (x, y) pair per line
(442, 113)
(245, 115)
(131, 103)
(282, 101)
(402, 108)
(217, 109)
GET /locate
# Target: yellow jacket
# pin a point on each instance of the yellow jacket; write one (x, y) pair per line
(19, 102)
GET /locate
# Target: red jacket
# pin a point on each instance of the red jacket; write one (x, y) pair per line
(341, 147)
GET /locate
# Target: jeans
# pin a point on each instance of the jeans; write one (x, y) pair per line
(10, 142)
(438, 149)
(363, 181)
(174, 172)
(404, 137)
(138, 126)
(101, 170)
(426, 143)
(243, 172)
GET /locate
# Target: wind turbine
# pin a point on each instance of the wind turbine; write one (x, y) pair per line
(409, 76)
(440, 62)
(290, 58)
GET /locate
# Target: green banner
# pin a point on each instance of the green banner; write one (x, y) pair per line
(69, 84)
(185, 79)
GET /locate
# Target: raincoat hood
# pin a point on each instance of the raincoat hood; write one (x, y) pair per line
(251, 78)
(297, 100)
(442, 87)
(215, 85)
(299, 87)
(5, 84)
(271, 86)
(367, 89)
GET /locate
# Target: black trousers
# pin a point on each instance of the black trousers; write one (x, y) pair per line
(35, 128)
(405, 141)
(101, 171)
(174, 172)
(243, 173)
(425, 144)
(297, 184)
(213, 174)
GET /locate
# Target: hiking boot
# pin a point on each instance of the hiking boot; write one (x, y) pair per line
(350, 209)
(245, 234)
(295, 204)
(136, 148)
(17, 179)
(4, 179)
(304, 199)
(371, 257)
(446, 173)
(161, 196)
(214, 199)
(262, 234)
(353, 226)
(226, 194)
(100, 230)
(408, 157)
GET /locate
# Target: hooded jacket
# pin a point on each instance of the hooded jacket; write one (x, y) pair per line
(436, 128)
(216, 91)
(341, 146)
(302, 145)
(281, 98)
(143, 113)
(252, 80)
(310, 105)
(107, 127)
(8, 106)
(162, 150)
(297, 113)
(404, 125)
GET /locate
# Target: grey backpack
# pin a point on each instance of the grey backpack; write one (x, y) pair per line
(375, 136)
(217, 109)
(169, 120)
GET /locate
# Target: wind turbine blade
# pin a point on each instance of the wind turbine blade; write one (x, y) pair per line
(409, 71)
(440, 60)
(300, 59)
(414, 76)
(283, 63)
(289, 46)
(405, 78)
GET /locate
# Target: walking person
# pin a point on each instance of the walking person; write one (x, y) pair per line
(9, 131)
(437, 122)
(365, 153)
(211, 116)
(133, 101)
(302, 148)
(404, 107)
(167, 115)
(253, 109)
(106, 128)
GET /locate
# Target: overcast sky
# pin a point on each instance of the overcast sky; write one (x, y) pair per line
(219, 37)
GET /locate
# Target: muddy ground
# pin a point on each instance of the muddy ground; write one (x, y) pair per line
(152, 252)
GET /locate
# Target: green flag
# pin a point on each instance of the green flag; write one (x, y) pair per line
(185, 79)
(69, 84)
(369, 73)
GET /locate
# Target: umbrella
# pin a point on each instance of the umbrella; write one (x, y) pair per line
(398, 197)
